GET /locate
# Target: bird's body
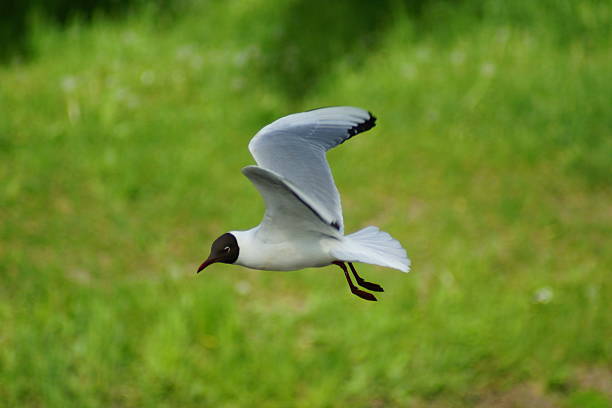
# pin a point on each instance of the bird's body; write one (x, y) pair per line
(307, 250)
(303, 225)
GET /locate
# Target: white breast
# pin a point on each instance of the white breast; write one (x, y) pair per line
(309, 251)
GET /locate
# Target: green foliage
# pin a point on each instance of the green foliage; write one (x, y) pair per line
(120, 150)
(589, 399)
(15, 31)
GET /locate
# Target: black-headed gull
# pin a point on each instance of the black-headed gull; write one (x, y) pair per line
(302, 226)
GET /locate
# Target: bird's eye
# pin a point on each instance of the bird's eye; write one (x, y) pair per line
(226, 249)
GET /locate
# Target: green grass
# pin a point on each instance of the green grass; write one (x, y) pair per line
(121, 145)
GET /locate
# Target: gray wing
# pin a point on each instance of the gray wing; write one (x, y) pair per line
(294, 147)
(288, 210)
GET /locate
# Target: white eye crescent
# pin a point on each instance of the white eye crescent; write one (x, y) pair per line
(226, 249)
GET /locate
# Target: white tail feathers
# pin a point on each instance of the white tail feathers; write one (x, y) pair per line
(373, 246)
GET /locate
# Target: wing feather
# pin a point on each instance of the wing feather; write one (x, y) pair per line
(294, 147)
(288, 210)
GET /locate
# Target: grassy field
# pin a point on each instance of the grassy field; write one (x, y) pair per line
(121, 144)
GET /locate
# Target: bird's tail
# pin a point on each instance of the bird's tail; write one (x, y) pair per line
(373, 246)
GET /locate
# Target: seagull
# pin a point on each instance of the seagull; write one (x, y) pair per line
(302, 226)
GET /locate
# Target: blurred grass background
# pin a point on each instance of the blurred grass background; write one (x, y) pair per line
(123, 128)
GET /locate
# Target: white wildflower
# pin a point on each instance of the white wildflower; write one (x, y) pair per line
(544, 295)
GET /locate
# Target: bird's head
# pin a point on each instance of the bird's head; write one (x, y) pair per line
(224, 249)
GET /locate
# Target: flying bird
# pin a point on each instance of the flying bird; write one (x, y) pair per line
(302, 226)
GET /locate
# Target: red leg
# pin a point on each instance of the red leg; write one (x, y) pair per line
(354, 289)
(374, 287)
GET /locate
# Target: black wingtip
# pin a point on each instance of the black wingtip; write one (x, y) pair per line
(363, 126)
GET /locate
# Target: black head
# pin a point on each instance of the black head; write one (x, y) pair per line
(224, 249)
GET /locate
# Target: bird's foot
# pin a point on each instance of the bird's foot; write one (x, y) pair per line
(363, 294)
(374, 287)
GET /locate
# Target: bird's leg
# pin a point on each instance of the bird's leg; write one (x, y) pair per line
(354, 289)
(363, 283)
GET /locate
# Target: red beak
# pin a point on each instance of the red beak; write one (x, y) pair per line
(206, 263)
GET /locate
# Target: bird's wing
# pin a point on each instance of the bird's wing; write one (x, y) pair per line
(294, 147)
(288, 210)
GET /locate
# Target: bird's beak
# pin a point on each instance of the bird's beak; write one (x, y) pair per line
(207, 262)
